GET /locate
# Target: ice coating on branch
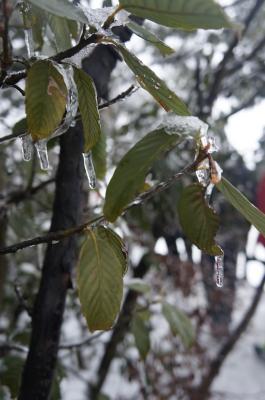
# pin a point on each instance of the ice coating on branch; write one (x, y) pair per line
(27, 147)
(121, 18)
(90, 170)
(97, 16)
(41, 147)
(190, 126)
(72, 100)
(203, 172)
(219, 270)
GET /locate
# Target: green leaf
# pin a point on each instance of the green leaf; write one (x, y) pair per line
(141, 336)
(60, 29)
(62, 8)
(153, 84)
(187, 15)
(99, 154)
(10, 373)
(243, 205)
(20, 127)
(145, 34)
(138, 285)
(179, 323)
(129, 176)
(198, 221)
(46, 96)
(102, 264)
(88, 106)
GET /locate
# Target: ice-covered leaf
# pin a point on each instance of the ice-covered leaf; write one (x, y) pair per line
(46, 97)
(102, 264)
(145, 34)
(153, 84)
(188, 15)
(179, 323)
(243, 205)
(141, 336)
(129, 176)
(88, 106)
(99, 153)
(60, 29)
(198, 221)
(62, 8)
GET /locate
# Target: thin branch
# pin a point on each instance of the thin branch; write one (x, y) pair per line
(128, 92)
(17, 196)
(5, 62)
(81, 343)
(7, 347)
(247, 103)
(220, 73)
(59, 235)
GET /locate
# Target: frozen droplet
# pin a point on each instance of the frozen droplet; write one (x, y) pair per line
(203, 173)
(219, 270)
(212, 145)
(90, 170)
(208, 192)
(27, 147)
(41, 147)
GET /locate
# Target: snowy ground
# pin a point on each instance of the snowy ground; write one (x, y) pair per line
(243, 374)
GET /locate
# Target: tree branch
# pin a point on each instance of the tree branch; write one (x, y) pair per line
(62, 234)
(220, 73)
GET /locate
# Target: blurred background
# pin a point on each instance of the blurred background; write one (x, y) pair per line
(221, 77)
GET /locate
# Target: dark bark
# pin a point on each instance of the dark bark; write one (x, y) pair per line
(56, 275)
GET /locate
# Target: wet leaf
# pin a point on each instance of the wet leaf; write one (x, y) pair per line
(153, 84)
(129, 176)
(141, 335)
(45, 99)
(179, 323)
(60, 29)
(243, 205)
(145, 34)
(62, 8)
(198, 221)
(102, 264)
(99, 153)
(88, 106)
(187, 15)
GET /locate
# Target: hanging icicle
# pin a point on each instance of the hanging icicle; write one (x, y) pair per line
(219, 271)
(41, 147)
(90, 170)
(25, 10)
(27, 147)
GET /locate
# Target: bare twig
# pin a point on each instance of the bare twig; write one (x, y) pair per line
(59, 235)
(220, 73)
(81, 343)
(128, 92)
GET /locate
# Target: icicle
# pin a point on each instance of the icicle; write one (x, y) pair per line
(90, 171)
(41, 147)
(25, 10)
(219, 271)
(27, 147)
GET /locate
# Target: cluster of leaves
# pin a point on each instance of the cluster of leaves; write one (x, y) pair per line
(102, 260)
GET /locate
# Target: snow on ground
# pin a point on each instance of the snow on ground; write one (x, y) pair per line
(243, 375)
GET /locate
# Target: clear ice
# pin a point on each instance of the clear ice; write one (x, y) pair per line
(219, 271)
(25, 10)
(90, 170)
(41, 147)
(27, 147)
